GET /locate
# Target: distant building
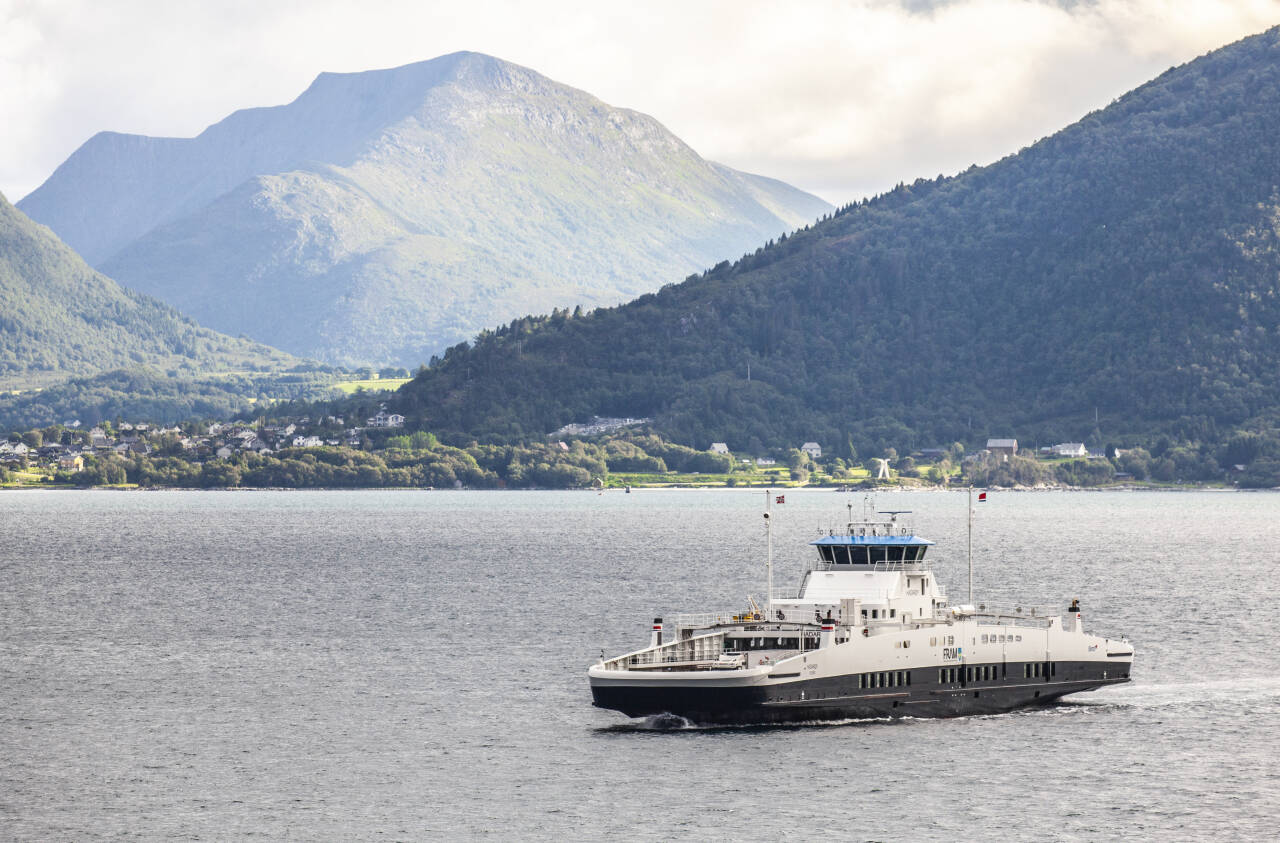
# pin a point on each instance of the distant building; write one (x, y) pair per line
(766, 461)
(933, 454)
(385, 419)
(719, 448)
(71, 463)
(1003, 447)
(813, 449)
(1070, 449)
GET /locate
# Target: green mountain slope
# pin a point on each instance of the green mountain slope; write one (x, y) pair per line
(383, 216)
(60, 318)
(1126, 266)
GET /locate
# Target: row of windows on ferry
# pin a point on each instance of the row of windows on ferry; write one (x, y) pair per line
(950, 675)
(863, 555)
(991, 672)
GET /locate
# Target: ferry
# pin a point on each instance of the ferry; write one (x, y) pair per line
(870, 633)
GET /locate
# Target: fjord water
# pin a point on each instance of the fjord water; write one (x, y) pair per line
(408, 664)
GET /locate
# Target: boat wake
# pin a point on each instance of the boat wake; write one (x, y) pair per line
(676, 723)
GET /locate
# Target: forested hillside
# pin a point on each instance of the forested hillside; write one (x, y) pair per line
(1126, 267)
(60, 318)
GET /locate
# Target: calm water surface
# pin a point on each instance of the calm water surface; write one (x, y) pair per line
(406, 665)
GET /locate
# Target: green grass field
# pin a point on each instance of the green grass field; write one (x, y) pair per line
(373, 385)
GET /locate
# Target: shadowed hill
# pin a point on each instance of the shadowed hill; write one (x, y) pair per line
(1126, 266)
(60, 318)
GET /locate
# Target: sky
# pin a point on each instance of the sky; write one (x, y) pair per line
(844, 98)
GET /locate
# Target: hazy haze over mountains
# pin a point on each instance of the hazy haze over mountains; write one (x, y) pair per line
(384, 215)
(59, 317)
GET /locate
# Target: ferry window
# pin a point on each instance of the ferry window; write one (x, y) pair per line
(877, 554)
(984, 639)
(1053, 668)
(858, 555)
(841, 555)
(895, 553)
(1018, 637)
(824, 551)
(875, 613)
(902, 678)
(893, 613)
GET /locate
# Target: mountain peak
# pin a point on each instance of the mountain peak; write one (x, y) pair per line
(390, 213)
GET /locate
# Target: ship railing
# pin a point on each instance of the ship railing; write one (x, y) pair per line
(822, 565)
(991, 613)
(697, 651)
(705, 620)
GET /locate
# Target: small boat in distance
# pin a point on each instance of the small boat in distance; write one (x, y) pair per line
(869, 633)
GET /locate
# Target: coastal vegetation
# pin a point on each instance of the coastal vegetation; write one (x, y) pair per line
(320, 455)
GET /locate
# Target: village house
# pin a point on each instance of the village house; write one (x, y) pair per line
(1070, 449)
(719, 448)
(307, 442)
(71, 462)
(766, 461)
(813, 449)
(1003, 448)
(385, 419)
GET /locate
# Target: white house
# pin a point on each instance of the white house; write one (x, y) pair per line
(766, 461)
(1070, 449)
(719, 448)
(307, 441)
(385, 419)
(813, 449)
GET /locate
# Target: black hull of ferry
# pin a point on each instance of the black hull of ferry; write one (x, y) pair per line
(833, 698)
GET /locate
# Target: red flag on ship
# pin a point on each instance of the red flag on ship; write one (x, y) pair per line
(780, 499)
(982, 497)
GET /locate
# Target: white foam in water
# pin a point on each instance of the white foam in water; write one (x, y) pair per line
(1163, 695)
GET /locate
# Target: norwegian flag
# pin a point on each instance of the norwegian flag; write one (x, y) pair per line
(780, 499)
(982, 497)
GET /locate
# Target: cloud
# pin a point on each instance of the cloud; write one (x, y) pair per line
(843, 98)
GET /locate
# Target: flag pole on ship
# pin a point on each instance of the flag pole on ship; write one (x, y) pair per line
(768, 528)
(971, 545)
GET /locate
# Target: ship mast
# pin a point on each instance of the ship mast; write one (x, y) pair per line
(768, 528)
(970, 545)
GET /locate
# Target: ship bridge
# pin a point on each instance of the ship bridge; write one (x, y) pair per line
(863, 549)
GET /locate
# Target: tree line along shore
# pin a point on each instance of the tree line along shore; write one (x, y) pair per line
(323, 453)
